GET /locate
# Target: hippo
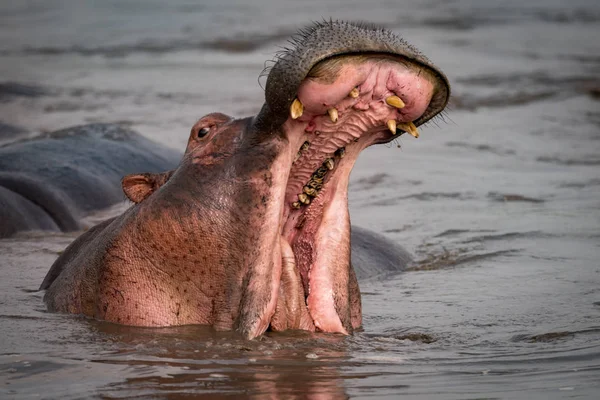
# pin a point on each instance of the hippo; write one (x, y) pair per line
(50, 181)
(251, 231)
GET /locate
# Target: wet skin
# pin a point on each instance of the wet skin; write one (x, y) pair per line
(252, 230)
(49, 182)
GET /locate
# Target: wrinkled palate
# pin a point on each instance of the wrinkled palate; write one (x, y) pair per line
(346, 104)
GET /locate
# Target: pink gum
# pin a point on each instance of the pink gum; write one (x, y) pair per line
(376, 81)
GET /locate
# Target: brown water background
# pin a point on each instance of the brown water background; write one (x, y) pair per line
(499, 201)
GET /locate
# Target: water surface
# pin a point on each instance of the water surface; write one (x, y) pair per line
(499, 201)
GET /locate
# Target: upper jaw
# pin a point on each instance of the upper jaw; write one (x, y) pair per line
(329, 40)
(368, 100)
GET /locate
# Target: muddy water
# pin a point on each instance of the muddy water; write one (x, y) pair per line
(499, 201)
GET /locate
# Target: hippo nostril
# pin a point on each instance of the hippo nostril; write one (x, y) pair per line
(203, 132)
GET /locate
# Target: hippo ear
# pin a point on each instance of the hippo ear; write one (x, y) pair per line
(138, 187)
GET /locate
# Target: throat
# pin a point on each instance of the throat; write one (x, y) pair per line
(316, 225)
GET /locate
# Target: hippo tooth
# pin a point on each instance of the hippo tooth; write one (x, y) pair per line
(296, 205)
(329, 163)
(298, 154)
(305, 146)
(296, 109)
(310, 191)
(410, 128)
(333, 114)
(315, 183)
(341, 152)
(391, 124)
(395, 101)
(320, 173)
(413, 129)
(354, 93)
(304, 199)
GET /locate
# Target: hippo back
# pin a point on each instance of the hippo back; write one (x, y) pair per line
(71, 172)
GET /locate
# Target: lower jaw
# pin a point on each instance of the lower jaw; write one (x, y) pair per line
(319, 237)
(328, 275)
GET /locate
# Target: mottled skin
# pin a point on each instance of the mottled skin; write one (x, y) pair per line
(372, 254)
(221, 240)
(200, 216)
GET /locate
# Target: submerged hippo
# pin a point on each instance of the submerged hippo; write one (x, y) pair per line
(50, 181)
(252, 230)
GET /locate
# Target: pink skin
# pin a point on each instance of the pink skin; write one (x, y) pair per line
(302, 255)
(325, 223)
(169, 260)
(376, 82)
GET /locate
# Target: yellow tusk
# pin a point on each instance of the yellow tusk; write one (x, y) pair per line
(413, 130)
(410, 128)
(391, 124)
(333, 114)
(354, 93)
(395, 101)
(296, 109)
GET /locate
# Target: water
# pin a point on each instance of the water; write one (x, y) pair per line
(499, 201)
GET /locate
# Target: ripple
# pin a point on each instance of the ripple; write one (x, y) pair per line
(452, 258)
(512, 197)
(584, 160)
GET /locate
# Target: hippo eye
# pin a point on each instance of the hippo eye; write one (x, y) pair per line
(203, 132)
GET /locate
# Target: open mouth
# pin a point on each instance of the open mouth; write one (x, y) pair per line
(345, 104)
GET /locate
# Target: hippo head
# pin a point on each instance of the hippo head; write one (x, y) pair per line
(271, 192)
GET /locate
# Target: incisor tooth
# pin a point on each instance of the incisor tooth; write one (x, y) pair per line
(333, 114)
(354, 93)
(391, 124)
(410, 128)
(395, 101)
(296, 109)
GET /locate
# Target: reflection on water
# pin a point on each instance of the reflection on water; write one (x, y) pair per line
(498, 202)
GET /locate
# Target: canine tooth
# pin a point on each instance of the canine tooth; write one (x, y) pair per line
(296, 205)
(410, 128)
(333, 114)
(341, 152)
(391, 124)
(303, 198)
(354, 93)
(413, 130)
(329, 164)
(305, 146)
(395, 101)
(296, 109)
